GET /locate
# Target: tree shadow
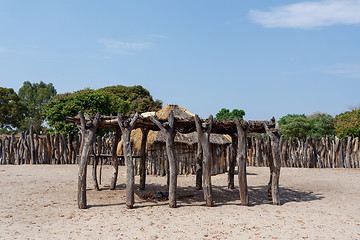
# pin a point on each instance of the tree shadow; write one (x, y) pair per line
(189, 196)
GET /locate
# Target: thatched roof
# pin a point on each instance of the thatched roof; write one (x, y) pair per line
(179, 112)
(158, 137)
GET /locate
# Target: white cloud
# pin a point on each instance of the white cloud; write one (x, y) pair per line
(309, 14)
(120, 47)
(345, 70)
(158, 36)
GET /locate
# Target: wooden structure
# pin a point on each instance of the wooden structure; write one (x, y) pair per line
(185, 147)
(170, 127)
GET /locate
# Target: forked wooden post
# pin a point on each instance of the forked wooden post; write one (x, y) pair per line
(232, 160)
(88, 130)
(115, 160)
(276, 164)
(126, 126)
(203, 130)
(241, 160)
(142, 169)
(167, 128)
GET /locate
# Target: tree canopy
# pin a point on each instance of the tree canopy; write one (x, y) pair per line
(109, 100)
(225, 114)
(300, 126)
(348, 123)
(11, 109)
(34, 96)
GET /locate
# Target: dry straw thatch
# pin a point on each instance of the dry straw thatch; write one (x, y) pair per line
(157, 137)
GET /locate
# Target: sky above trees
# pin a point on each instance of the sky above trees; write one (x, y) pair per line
(269, 58)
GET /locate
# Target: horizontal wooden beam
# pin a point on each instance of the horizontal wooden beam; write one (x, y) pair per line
(184, 125)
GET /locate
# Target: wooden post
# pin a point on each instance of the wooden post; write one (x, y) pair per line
(276, 164)
(204, 130)
(199, 166)
(126, 126)
(88, 129)
(32, 145)
(144, 135)
(232, 160)
(347, 163)
(167, 128)
(241, 160)
(115, 160)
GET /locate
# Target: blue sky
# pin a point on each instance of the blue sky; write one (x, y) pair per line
(269, 58)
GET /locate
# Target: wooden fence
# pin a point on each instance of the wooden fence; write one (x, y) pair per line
(30, 148)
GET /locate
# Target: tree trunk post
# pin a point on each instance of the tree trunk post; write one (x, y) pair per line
(115, 160)
(199, 166)
(276, 165)
(144, 132)
(126, 126)
(32, 145)
(88, 130)
(167, 128)
(204, 130)
(241, 160)
(232, 161)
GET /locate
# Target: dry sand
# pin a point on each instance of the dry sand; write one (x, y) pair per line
(39, 202)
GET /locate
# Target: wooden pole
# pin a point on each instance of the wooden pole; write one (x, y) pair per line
(232, 161)
(241, 160)
(204, 130)
(199, 166)
(276, 165)
(144, 135)
(167, 128)
(126, 126)
(88, 129)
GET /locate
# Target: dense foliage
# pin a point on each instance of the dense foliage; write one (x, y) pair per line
(11, 109)
(34, 96)
(109, 100)
(348, 123)
(300, 126)
(225, 114)
(322, 125)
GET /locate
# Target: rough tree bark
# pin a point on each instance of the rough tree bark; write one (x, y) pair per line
(142, 169)
(115, 160)
(167, 128)
(276, 164)
(88, 129)
(126, 126)
(199, 166)
(241, 160)
(232, 161)
(203, 131)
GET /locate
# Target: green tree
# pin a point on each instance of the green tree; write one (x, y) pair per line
(322, 125)
(295, 126)
(225, 114)
(348, 124)
(110, 100)
(34, 96)
(11, 109)
(134, 98)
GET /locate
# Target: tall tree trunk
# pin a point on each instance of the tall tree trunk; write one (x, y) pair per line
(232, 161)
(88, 130)
(115, 160)
(199, 166)
(241, 160)
(126, 126)
(143, 154)
(276, 163)
(167, 129)
(204, 130)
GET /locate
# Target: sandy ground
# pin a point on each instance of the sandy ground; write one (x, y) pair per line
(39, 202)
